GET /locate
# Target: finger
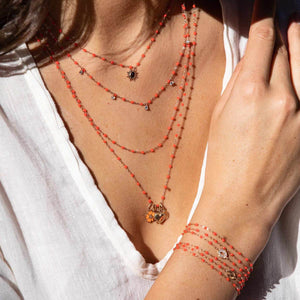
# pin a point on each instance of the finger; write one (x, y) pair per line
(230, 85)
(260, 46)
(294, 52)
(280, 76)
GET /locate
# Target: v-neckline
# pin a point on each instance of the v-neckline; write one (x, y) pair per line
(84, 179)
(85, 182)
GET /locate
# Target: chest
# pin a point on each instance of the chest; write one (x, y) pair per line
(172, 170)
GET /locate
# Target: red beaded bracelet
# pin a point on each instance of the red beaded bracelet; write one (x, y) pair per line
(237, 280)
(229, 262)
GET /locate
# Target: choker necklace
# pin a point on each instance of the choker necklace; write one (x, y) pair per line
(156, 212)
(132, 70)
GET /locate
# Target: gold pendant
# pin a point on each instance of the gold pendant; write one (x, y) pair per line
(157, 213)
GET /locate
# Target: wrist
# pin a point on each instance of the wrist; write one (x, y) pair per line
(245, 233)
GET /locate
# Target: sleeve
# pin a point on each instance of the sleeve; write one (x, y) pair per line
(8, 286)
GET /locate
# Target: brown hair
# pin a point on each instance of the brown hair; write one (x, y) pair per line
(19, 21)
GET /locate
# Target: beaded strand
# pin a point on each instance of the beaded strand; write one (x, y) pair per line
(156, 212)
(132, 73)
(238, 282)
(115, 96)
(230, 264)
(172, 118)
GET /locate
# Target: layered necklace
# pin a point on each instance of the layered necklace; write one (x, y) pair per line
(156, 210)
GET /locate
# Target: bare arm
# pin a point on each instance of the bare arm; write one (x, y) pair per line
(253, 159)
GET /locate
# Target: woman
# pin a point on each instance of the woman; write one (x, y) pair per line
(77, 218)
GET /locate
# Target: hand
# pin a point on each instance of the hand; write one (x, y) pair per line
(253, 159)
(253, 162)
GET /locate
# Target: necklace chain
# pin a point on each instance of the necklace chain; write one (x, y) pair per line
(132, 73)
(172, 118)
(156, 212)
(114, 95)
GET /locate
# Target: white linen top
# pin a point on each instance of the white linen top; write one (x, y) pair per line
(58, 237)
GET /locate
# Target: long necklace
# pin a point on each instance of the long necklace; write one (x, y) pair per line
(156, 212)
(132, 70)
(172, 118)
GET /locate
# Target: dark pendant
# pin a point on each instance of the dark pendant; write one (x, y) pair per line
(81, 72)
(146, 107)
(157, 213)
(132, 74)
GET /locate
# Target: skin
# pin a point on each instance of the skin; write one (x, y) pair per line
(251, 196)
(249, 177)
(127, 202)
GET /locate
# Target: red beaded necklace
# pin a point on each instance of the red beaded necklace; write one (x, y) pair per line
(172, 118)
(132, 70)
(156, 212)
(115, 96)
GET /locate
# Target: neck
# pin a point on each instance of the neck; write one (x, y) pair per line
(120, 26)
